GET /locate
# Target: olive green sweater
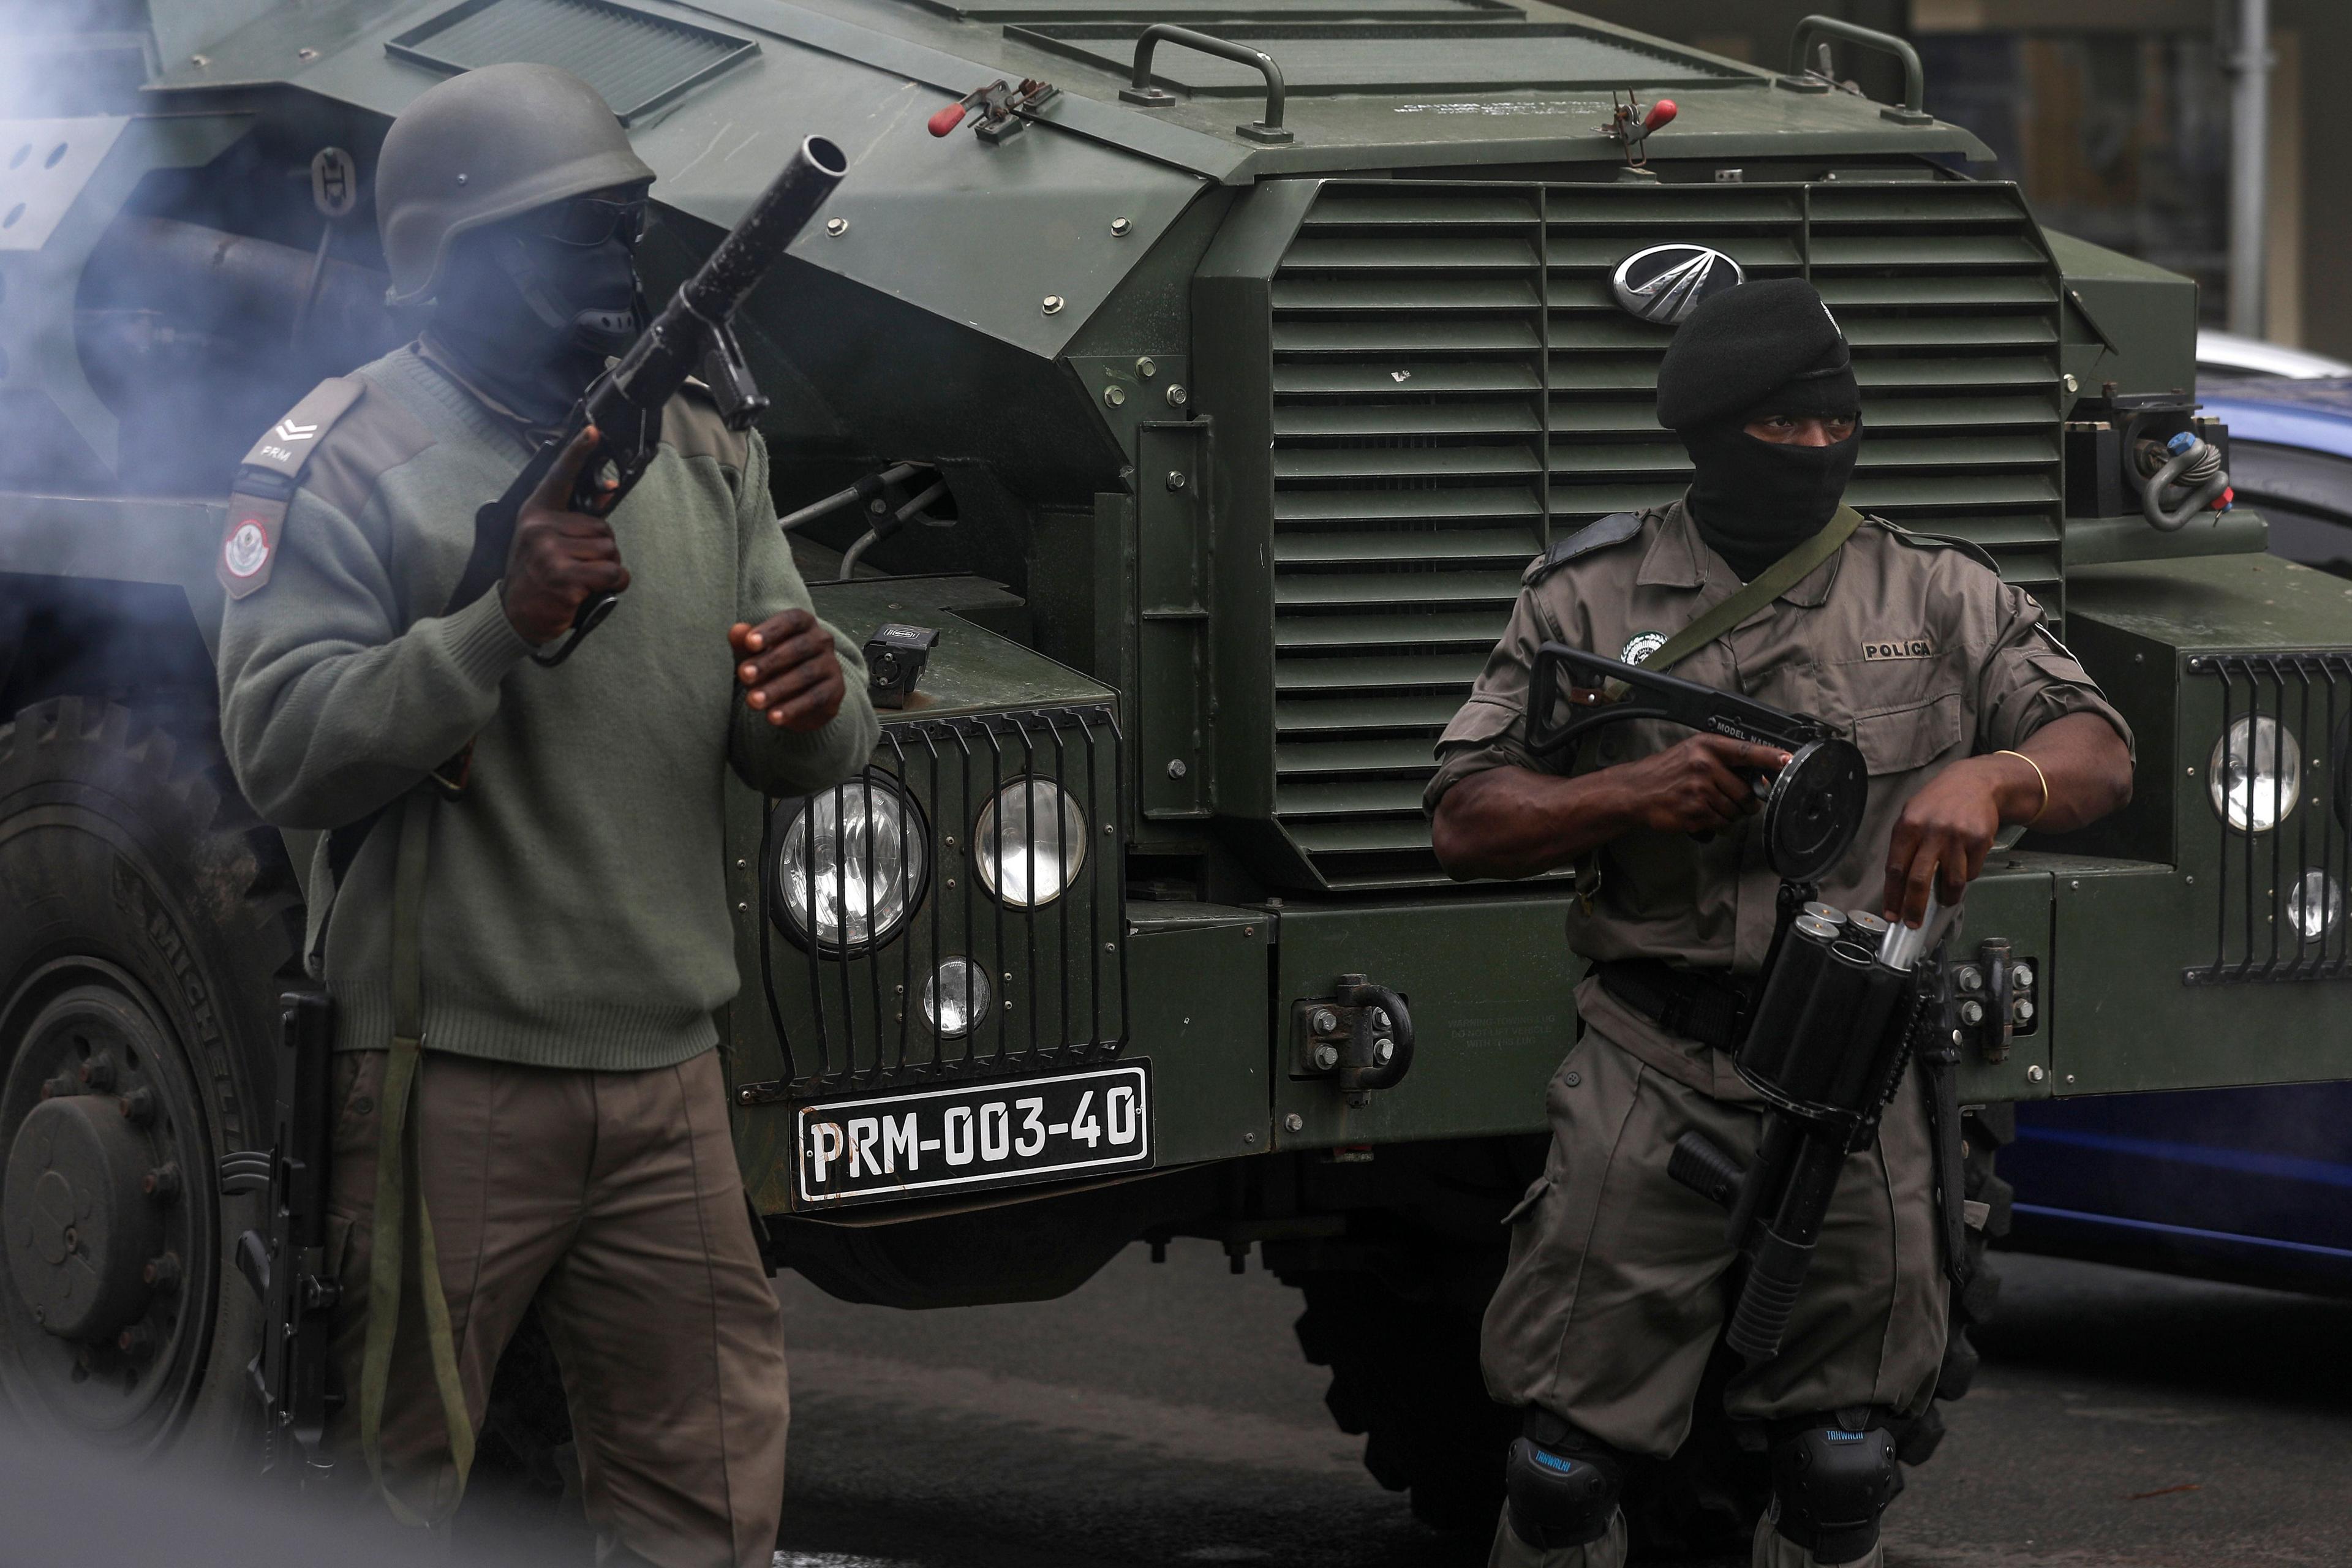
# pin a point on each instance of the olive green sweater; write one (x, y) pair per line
(575, 910)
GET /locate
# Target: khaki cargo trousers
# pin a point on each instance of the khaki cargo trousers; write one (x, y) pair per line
(614, 1199)
(1614, 1297)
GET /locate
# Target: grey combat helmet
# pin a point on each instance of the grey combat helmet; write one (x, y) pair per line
(483, 147)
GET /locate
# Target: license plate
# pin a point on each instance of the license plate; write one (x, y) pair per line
(981, 1135)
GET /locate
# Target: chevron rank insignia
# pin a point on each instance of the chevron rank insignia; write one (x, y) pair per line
(265, 482)
(287, 446)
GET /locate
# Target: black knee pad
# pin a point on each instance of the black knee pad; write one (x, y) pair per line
(1832, 1476)
(1562, 1484)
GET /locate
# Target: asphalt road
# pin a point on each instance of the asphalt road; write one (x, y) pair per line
(1162, 1415)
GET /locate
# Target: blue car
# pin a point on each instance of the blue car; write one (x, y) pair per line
(2251, 1184)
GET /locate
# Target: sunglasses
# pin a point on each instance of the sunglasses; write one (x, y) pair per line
(589, 221)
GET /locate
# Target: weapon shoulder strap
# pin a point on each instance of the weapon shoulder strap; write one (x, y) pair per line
(1939, 1065)
(1757, 592)
(398, 1189)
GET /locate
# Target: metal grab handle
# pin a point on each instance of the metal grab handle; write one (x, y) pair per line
(1140, 91)
(1914, 75)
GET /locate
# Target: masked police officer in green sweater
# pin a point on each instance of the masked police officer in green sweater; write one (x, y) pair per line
(563, 1133)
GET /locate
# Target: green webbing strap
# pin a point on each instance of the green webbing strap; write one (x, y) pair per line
(1757, 592)
(397, 1185)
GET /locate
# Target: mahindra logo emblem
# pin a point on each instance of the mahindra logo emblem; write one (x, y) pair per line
(1666, 283)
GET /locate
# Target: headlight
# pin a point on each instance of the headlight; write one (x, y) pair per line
(850, 866)
(1032, 839)
(955, 998)
(2314, 905)
(2256, 775)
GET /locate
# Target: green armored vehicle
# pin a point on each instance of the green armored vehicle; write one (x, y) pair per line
(1202, 375)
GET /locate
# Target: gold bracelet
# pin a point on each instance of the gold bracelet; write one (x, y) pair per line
(2038, 773)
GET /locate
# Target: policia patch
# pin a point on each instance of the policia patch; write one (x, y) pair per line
(265, 482)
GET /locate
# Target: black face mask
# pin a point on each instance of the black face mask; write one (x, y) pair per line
(532, 322)
(1756, 500)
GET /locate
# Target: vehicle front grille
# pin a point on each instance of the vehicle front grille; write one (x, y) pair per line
(1055, 971)
(1453, 387)
(2279, 894)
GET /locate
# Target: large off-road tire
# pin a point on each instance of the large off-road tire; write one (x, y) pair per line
(145, 916)
(1404, 1376)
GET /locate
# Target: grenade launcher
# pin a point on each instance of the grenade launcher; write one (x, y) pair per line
(624, 404)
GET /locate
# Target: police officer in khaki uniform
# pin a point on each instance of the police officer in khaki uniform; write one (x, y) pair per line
(525, 949)
(1970, 716)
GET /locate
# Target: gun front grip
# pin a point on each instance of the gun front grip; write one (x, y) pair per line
(1698, 1163)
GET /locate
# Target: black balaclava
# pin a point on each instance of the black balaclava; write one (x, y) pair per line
(531, 322)
(1747, 352)
(1755, 500)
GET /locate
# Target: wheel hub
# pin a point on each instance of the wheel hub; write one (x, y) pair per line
(110, 1247)
(78, 1230)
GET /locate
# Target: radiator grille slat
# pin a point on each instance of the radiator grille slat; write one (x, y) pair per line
(1405, 292)
(1350, 797)
(1505, 545)
(1454, 385)
(1848, 292)
(1435, 587)
(1389, 336)
(1319, 758)
(1432, 504)
(1405, 462)
(1308, 421)
(1451, 671)
(1467, 628)
(1937, 251)
(1420, 711)
(1407, 253)
(1455, 211)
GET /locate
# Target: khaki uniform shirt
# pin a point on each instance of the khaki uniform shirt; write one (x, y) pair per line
(1910, 646)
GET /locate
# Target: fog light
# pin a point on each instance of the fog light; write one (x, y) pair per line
(2315, 904)
(1033, 840)
(955, 998)
(850, 866)
(2256, 775)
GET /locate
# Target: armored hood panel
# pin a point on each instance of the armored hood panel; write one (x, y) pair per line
(978, 234)
(1384, 84)
(1397, 83)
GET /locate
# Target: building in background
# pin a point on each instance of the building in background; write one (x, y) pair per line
(2114, 115)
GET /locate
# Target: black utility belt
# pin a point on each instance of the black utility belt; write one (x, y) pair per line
(1711, 1008)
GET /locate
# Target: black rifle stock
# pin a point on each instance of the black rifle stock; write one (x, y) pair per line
(285, 1260)
(624, 404)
